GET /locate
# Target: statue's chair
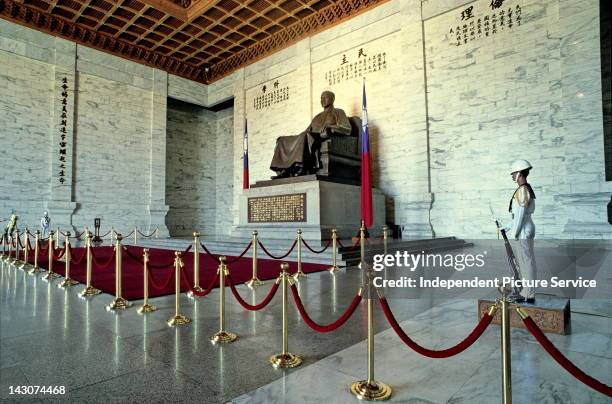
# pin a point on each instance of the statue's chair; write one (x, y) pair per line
(339, 154)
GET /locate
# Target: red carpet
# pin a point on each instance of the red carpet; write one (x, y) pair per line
(132, 274)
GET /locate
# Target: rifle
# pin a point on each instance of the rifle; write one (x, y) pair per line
(513, 265)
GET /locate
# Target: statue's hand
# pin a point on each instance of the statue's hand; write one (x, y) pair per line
(326, 133)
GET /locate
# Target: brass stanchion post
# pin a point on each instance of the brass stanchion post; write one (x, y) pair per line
(17, 242)
(50, 274)
(505, 347)
(16, 249)
(385, 238)
(89, 290)
(4, 252)
(119, 303)
(57, 236)
(135, 235)
(254, 282)
(334, 268)
(362, 242)
(24, 264)
(178, 318)
(222, 336)
(285, 359)
(157, 232)
(36, 269)
(9, 244)
(370, 389)
(196, 266)
(146, 307)
(299, 274)
(112, 233)
(67, 282)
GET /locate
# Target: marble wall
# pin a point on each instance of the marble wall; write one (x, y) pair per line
(81, 134)
(26, 97)
(198, 176)
(446, 120)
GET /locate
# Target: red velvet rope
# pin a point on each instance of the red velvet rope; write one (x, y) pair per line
(195, 292)
(446, 353)
(165, 283)
(275, 257)
(235, 259)
(216, 256)
(246, 305)
(563, 361)
(42, 243)
(317, 251)
(77, 262)
(95, 260)
(105, 234)
(60, 255)
(141, 260)
(146, 236)
(76, 235)
(328, 327)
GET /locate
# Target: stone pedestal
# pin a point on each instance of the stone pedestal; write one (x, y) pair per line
(550, 313)
(310, 203)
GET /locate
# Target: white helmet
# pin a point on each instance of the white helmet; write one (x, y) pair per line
(45, 213)
(519, 165)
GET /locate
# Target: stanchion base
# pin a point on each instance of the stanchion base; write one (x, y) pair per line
(284, 361)
(89, 291)
(253, 283)
(178, 320)
(298, 275)
(66, 283)
(146, 308)
(372, 391)
(223, 337)
(198, 289)
(50, 276)
(333, 269)
(117, 304)
(23, 266)
(35, 270)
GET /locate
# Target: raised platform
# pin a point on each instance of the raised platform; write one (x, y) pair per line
(315, 205)
(303, 178)
(550, 313)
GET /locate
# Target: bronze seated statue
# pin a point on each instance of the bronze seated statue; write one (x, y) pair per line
(328, 147)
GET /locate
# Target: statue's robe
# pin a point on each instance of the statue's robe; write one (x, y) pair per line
(299, 149)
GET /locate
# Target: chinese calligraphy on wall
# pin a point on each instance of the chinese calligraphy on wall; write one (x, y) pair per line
(271, 96)
(475, 24)
(364, 64)
(63, 131)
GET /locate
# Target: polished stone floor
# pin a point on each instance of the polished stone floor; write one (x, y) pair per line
(50, 337)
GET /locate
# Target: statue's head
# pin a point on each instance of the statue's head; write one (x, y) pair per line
(327, 99)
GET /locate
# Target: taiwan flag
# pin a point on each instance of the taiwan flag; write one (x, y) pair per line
(245, 158)
(366, 177)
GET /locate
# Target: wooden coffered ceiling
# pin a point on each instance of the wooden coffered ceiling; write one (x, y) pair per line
(202, 40)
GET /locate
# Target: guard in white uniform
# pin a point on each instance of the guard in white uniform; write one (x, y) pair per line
(522, 206)
(45, 221)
